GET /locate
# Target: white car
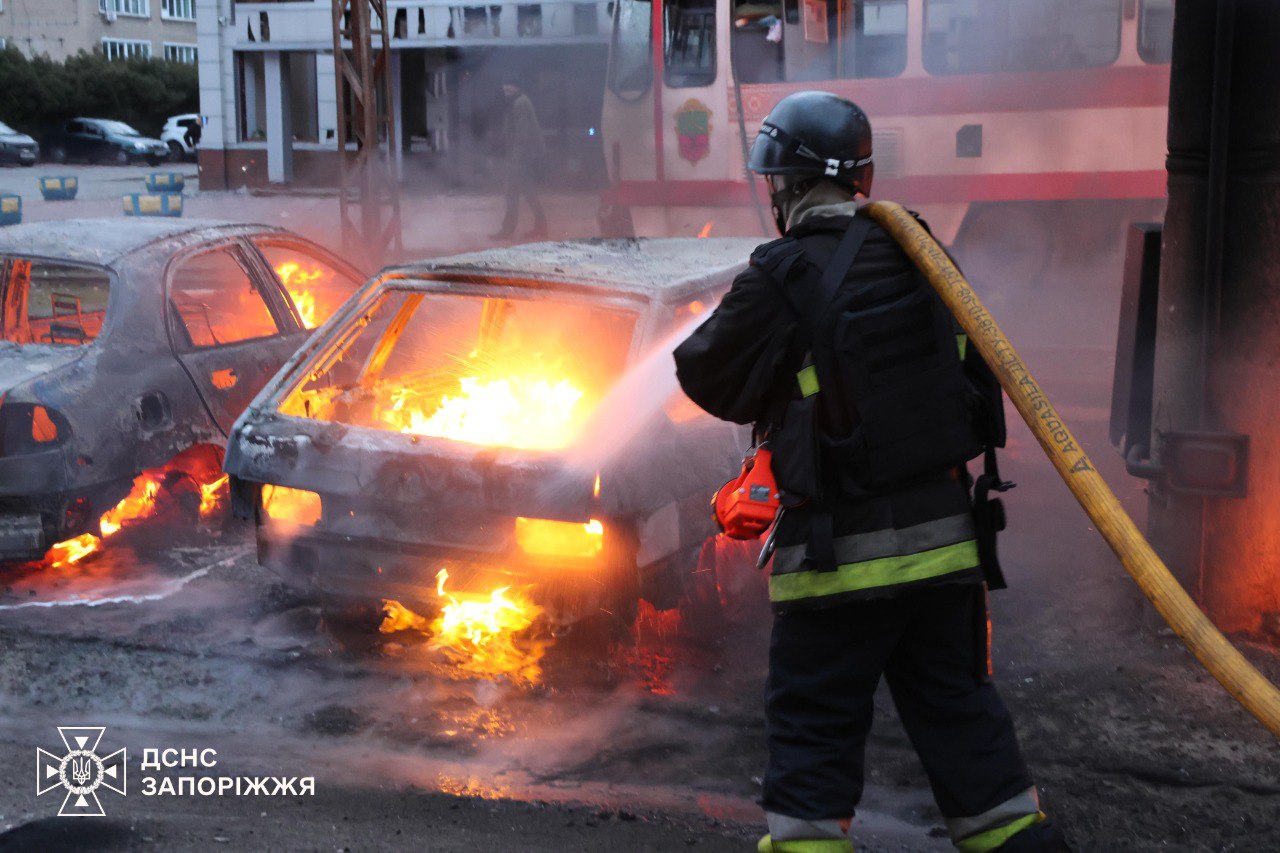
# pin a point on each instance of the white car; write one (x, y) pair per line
(182, 134)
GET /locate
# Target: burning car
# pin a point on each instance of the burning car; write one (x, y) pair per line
(506, 419)
(127, 350)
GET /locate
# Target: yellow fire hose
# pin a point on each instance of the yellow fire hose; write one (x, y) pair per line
(1250, 688)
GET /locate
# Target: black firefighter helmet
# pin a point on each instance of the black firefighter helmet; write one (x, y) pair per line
(810, 136)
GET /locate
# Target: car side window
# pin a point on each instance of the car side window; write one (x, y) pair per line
(214, 301)
(45, 302)
(316, 287)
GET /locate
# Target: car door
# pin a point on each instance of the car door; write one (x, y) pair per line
(316, 282)
(230, 324)
(75, 139)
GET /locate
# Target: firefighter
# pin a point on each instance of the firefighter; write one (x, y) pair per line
(847, 364)
(524, 150)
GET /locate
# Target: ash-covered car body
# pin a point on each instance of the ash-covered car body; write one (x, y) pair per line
(509, 414)
(124, 343)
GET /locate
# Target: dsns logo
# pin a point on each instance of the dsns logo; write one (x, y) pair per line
(81, 771)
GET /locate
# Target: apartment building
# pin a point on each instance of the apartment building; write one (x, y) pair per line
(268, 91)
(120, 29)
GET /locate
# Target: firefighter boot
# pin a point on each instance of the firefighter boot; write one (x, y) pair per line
(1044, 837)
(805, 845)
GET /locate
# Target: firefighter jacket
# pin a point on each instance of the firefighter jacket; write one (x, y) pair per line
(748, 364)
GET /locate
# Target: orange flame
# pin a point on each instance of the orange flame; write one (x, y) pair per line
(297, 506)
(529, 412)
(297, 281)
(139, 504)
(706, 229)
(213, 496)
(480, 634)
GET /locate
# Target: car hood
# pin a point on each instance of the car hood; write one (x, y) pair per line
(21, 364)
(17, 139)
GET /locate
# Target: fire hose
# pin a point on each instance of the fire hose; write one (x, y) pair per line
(1249, 687)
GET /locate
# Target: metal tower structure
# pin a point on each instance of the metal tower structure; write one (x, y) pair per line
(366, 117)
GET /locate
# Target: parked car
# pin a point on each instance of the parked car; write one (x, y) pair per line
(17, 147)
(182, 135)
(126, 344)
(510, 416)
(99, 140)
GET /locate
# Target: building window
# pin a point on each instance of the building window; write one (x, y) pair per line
(985, 36)
(130, 8)
(178, 10)
(179, 52)
(126, 49)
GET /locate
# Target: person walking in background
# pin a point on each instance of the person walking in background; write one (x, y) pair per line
(524, 150)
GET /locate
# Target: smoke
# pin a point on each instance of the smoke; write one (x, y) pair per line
(638, 397)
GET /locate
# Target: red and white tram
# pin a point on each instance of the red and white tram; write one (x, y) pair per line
(975, 104)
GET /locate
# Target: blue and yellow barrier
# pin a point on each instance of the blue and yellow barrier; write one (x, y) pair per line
(165, 182)
(10, 209)
(158, 204)
(59, 187)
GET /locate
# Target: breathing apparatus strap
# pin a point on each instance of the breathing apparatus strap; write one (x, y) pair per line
(813, 310)
(989, 518)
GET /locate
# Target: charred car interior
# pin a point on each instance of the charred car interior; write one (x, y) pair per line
(481, 418)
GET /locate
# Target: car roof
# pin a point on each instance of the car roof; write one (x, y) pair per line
(663, 269)
(103, 241)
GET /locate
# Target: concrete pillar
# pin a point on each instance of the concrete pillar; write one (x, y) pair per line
(279, 118)
(1225, 550)
(395, 138)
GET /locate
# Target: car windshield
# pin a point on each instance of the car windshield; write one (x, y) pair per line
(6, 130)
(47, 302)
(520, 372)
(118, 128)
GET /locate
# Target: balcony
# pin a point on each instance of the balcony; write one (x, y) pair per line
(307, 24)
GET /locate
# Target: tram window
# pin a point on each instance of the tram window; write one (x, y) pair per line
(977, 36)
(690, 43)
(755, 41)
(631, 57)
(874, 38)
(1155, 31)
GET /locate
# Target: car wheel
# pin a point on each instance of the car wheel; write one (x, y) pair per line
(29, 164)
(153, 160)
(122, 158)
(58, 154)
(354, 624)
(176, 152)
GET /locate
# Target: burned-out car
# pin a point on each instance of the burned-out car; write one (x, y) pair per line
(509, 417)
(130, 346)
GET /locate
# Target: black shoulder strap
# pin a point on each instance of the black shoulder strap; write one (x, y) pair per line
(815, 306)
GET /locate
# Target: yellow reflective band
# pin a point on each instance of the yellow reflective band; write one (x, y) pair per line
(816, 845)
(127, 201)
(962, 344)
(992, 839)
(69, 184)
(9, 205)
(808, 379)
(149, 204)
(175, 203)
(869, 574)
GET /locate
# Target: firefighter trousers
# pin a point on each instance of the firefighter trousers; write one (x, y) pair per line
(931, 645)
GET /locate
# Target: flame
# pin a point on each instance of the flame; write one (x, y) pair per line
(72, 551)
(480, 634)
(213, 495)
(142, 503)
(706, 229)
(296, 506)
(544, 537)
(298, 282)
(529, 412)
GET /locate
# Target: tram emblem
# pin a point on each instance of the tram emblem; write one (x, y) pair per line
(693, 129)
